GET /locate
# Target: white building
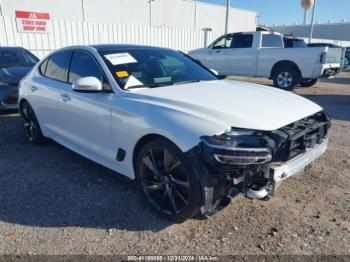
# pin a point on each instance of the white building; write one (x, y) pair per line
(336, 33)
(170, 23)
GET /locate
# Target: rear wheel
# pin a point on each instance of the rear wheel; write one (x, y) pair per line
(167, 181)
(308, 82)
(31, 124)
(286, 78)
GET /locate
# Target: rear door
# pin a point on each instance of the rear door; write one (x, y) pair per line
(44, 92)
(86, 115)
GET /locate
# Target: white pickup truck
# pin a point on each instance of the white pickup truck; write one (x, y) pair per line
(262, 54)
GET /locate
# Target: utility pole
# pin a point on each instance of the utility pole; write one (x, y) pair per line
(0, 9)
(82, 8)
(312, 22)
(228, 4)
(206, 31)
(150, 12)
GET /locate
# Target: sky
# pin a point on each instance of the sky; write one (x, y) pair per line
(289, 11)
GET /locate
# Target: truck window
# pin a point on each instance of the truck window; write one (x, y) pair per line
(271, 41)
(288, 43)
(242, 41)
(224, 42)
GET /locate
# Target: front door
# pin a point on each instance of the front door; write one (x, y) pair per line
(87, 116)
(218, 52)
(242, 56)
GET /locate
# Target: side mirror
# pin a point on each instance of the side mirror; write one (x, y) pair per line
(87, 84)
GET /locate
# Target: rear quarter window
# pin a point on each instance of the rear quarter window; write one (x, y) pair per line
(42, 67)
(272, 41)
(57, 66)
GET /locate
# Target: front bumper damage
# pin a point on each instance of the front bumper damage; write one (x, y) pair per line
(293, 148)
(279, 172)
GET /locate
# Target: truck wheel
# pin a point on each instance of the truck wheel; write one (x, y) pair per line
(308, 82)
(286, 78)
(167, 181)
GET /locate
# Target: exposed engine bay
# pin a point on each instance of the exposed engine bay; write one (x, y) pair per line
(255, 162)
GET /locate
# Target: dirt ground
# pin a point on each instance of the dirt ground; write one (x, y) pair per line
(53, 201)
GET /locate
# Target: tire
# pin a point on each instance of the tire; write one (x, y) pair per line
(165, 178)
(308, 82)
(286, 78)
(31, 124)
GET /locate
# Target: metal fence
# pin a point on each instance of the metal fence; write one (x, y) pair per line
(66, 33)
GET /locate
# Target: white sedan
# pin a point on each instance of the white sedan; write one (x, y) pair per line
(190, 140)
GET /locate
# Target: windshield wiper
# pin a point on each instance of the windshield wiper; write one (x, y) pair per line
(186, 82)
(163, 84)
(137, 86)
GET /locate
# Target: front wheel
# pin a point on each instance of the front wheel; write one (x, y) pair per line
(286, 78)
(308, 82)
(167, 181)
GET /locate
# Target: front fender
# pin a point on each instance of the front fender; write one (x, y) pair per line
(133, 119)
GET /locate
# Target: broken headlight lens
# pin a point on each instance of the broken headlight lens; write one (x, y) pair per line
(238, 147)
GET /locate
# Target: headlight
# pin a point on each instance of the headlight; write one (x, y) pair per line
(238, 147)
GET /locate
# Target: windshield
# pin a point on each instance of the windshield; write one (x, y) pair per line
(17, 57)
(153, 67)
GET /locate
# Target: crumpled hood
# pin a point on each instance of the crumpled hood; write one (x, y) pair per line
(231, 103)
(13, 75)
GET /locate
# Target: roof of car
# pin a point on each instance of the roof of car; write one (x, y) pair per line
(122, 46)
(10, 47)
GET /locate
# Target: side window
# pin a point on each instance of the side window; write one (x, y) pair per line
(42, 67)
(57, 66)
(83, 65)
(288, 43)
(222, 43)
(271, 41)
(242, 41)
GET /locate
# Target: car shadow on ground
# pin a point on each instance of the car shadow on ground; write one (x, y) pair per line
(336, 106)
(337, 80)
(51, 186)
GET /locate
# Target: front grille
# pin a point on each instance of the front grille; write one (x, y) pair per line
(300, 135)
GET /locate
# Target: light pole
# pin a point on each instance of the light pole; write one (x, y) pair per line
(305, 17)
(150, 11)
(206, 31)
(312, 22)
(228, 4)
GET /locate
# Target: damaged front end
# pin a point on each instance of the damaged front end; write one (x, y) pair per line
(255, 162)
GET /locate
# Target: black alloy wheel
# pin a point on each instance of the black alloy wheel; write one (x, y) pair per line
(166, 180)
(31, 124)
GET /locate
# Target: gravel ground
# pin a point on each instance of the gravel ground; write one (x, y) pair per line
(53, 201)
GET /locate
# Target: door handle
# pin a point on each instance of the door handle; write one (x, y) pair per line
(65, 98)
(33, 88)
(217, 51)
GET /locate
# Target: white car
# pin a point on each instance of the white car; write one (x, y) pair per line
(190, 141)
(262, 54)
